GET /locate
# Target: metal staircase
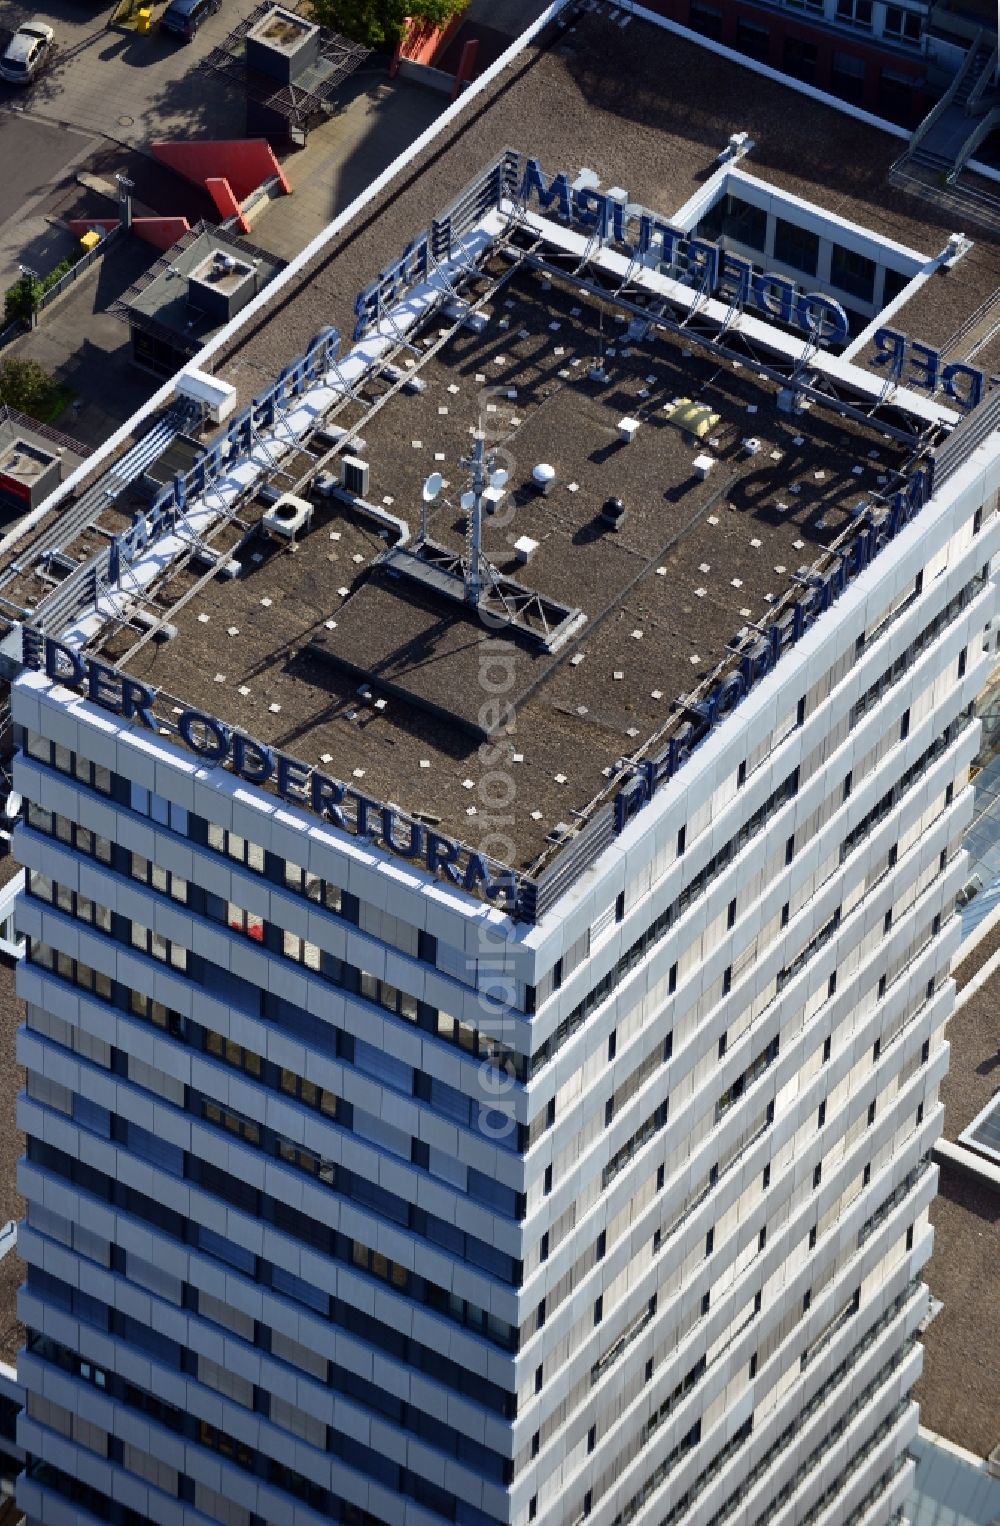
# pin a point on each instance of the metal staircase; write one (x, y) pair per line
(949, 135)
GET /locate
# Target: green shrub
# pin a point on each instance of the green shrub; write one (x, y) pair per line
(379, 23)
(24, 385)
(21, 300)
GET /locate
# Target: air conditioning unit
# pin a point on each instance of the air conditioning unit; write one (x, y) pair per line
(287, 519)
(354, 474)
(216, 397)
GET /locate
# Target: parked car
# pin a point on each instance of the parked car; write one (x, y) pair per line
(184, 17)
(27, 51)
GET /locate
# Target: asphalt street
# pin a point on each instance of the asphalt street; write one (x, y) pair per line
(33, 154)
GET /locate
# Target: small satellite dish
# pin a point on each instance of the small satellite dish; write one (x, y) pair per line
(433, 486)
(499, 478)
(13, 804)
(468, 502)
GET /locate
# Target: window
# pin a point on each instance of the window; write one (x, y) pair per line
(849, 271)
(321, 891)
(69, 901)
(163, 880)
(754, 41)
(236, 846)
(156, 1012)
(236, 918)
(901, 24)
(244, 1128)
(706, 20)
(162, 811)
(308, 1161)
(70, 969)
(148, 941)
(308, 1092)
(233, 1054)
(301, 950)
(855, 13)
(66, 831)
(795, 246)
(847, 76)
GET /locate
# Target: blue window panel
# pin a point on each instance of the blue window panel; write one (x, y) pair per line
(492, 1194)
(303, 1292)
(383, 1067)
(224, 1250)
(89, 1115)
(489, 1259)
(158, 1152)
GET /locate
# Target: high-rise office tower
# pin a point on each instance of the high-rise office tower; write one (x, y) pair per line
(488, 948)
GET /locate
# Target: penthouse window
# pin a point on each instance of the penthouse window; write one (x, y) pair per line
(853, 272)
(795, 246)
(733, 218)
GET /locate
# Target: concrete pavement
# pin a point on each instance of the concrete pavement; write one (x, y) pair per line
(34, 154)
(128, 87)
(84, 345)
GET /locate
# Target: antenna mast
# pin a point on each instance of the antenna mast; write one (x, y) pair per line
(472, 502)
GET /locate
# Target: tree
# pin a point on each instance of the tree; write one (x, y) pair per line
(24, 385)
(379, 23)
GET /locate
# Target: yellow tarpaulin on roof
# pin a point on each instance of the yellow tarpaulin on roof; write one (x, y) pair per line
(697, 418)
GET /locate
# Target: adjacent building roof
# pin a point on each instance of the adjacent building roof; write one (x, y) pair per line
(164, 301)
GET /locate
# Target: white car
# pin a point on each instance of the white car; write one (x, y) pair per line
(27, 51)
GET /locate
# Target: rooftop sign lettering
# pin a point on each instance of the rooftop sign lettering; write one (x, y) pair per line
(221, 745)
(913, 364)
(763, 656)
(170, 504)
(692, 261)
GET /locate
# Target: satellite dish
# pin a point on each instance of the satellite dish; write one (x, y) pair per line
(499, 478)
(433, 486)
(13, 804)
(468, 501)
